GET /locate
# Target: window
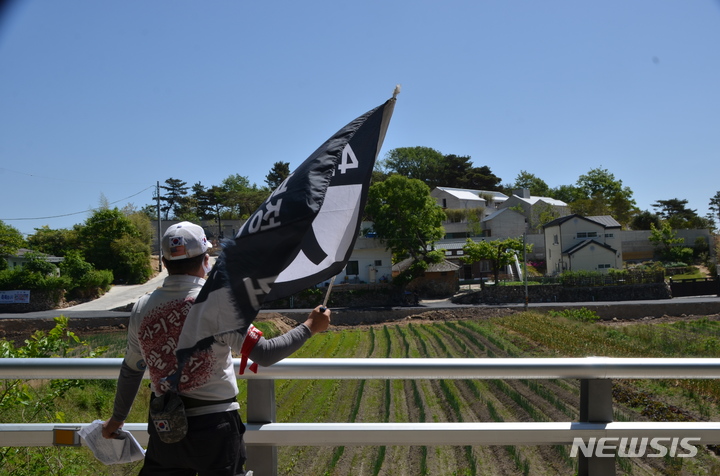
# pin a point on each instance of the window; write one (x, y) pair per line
(448, 253)
(352, 268)
(604, 266)
(460, 252)
(587, 234)
(378, 262)
(555, 240)
(609, 235)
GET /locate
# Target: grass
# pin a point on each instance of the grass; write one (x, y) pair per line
(695, 274)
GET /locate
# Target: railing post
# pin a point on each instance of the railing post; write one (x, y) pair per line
(596, 407)
(262, 460)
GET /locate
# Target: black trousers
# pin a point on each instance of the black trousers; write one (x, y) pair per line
(213, 446)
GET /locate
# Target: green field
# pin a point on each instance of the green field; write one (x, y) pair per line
(518, 335)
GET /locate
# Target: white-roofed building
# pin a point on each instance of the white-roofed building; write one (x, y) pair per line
(466, 199)
(537, 210)
(466, 209)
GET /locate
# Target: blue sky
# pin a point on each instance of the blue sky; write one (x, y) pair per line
(105, 98)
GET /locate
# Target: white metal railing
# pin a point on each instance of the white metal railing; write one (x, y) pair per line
(263, 436)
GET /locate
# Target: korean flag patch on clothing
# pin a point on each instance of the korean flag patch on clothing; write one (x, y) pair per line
(177, 246)
(167, 413)
(162, 425)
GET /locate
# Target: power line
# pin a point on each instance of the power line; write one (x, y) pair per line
(78, 213)
(61, 179)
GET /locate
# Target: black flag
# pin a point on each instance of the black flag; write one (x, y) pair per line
(302, 235)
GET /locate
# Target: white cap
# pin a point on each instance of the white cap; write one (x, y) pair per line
(184, 240)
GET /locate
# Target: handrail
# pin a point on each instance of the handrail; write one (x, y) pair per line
(263, 434)
(405, 368)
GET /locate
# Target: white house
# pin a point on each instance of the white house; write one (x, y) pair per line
(467, 199)
(533, 208)
(370, 261)
(461, 225)
(22, 256)
(504, 223)
(578, 243)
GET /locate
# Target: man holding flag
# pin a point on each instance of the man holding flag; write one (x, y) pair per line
(208, 386)
(303, 234)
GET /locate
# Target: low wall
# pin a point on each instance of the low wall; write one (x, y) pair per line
(342, 295)
(606, 310)
(558, 293)
(39, 301)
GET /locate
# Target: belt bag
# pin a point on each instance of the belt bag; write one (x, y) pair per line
(167, 413)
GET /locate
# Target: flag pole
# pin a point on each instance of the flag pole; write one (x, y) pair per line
(327, 294)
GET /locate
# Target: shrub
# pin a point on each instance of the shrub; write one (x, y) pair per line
(34, 402)
(700, 247)
(24, 279)
(74, 265)
(85, 281)
(582, 278)
(582, 314)
(92, 284)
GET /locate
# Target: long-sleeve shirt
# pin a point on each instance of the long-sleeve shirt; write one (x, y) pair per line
(153, 331)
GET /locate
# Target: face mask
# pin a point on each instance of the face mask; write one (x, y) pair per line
(206, 267)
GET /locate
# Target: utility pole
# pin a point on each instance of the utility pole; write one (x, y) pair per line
(525, 272)
(159, 227)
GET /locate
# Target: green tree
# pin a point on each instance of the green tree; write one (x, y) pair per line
(537, 186)
(200, 202)
(676, 213)
(110, 240)
(240, 197)
(541, 214)
(53, 242)
(644, 220)
(85, 281)
(501, 253)
(600, 193)
(74, 265)
(407, 220)
(420, 163)
(36, 263)
(436, 170)
(452, 172)
(279, 172)
(481, 178)
(175, 192)
(215, 203)
(714, 206)
(566, 193)
(667, 244)
(10, 239)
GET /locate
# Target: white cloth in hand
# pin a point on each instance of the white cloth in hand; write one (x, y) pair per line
(122, 449)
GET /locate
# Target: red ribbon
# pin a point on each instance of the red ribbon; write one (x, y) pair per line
(251, 339)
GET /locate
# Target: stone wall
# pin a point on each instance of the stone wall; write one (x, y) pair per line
(343, 295)
(40, 300)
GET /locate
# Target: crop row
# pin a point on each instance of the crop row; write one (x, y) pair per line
(410, 400)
